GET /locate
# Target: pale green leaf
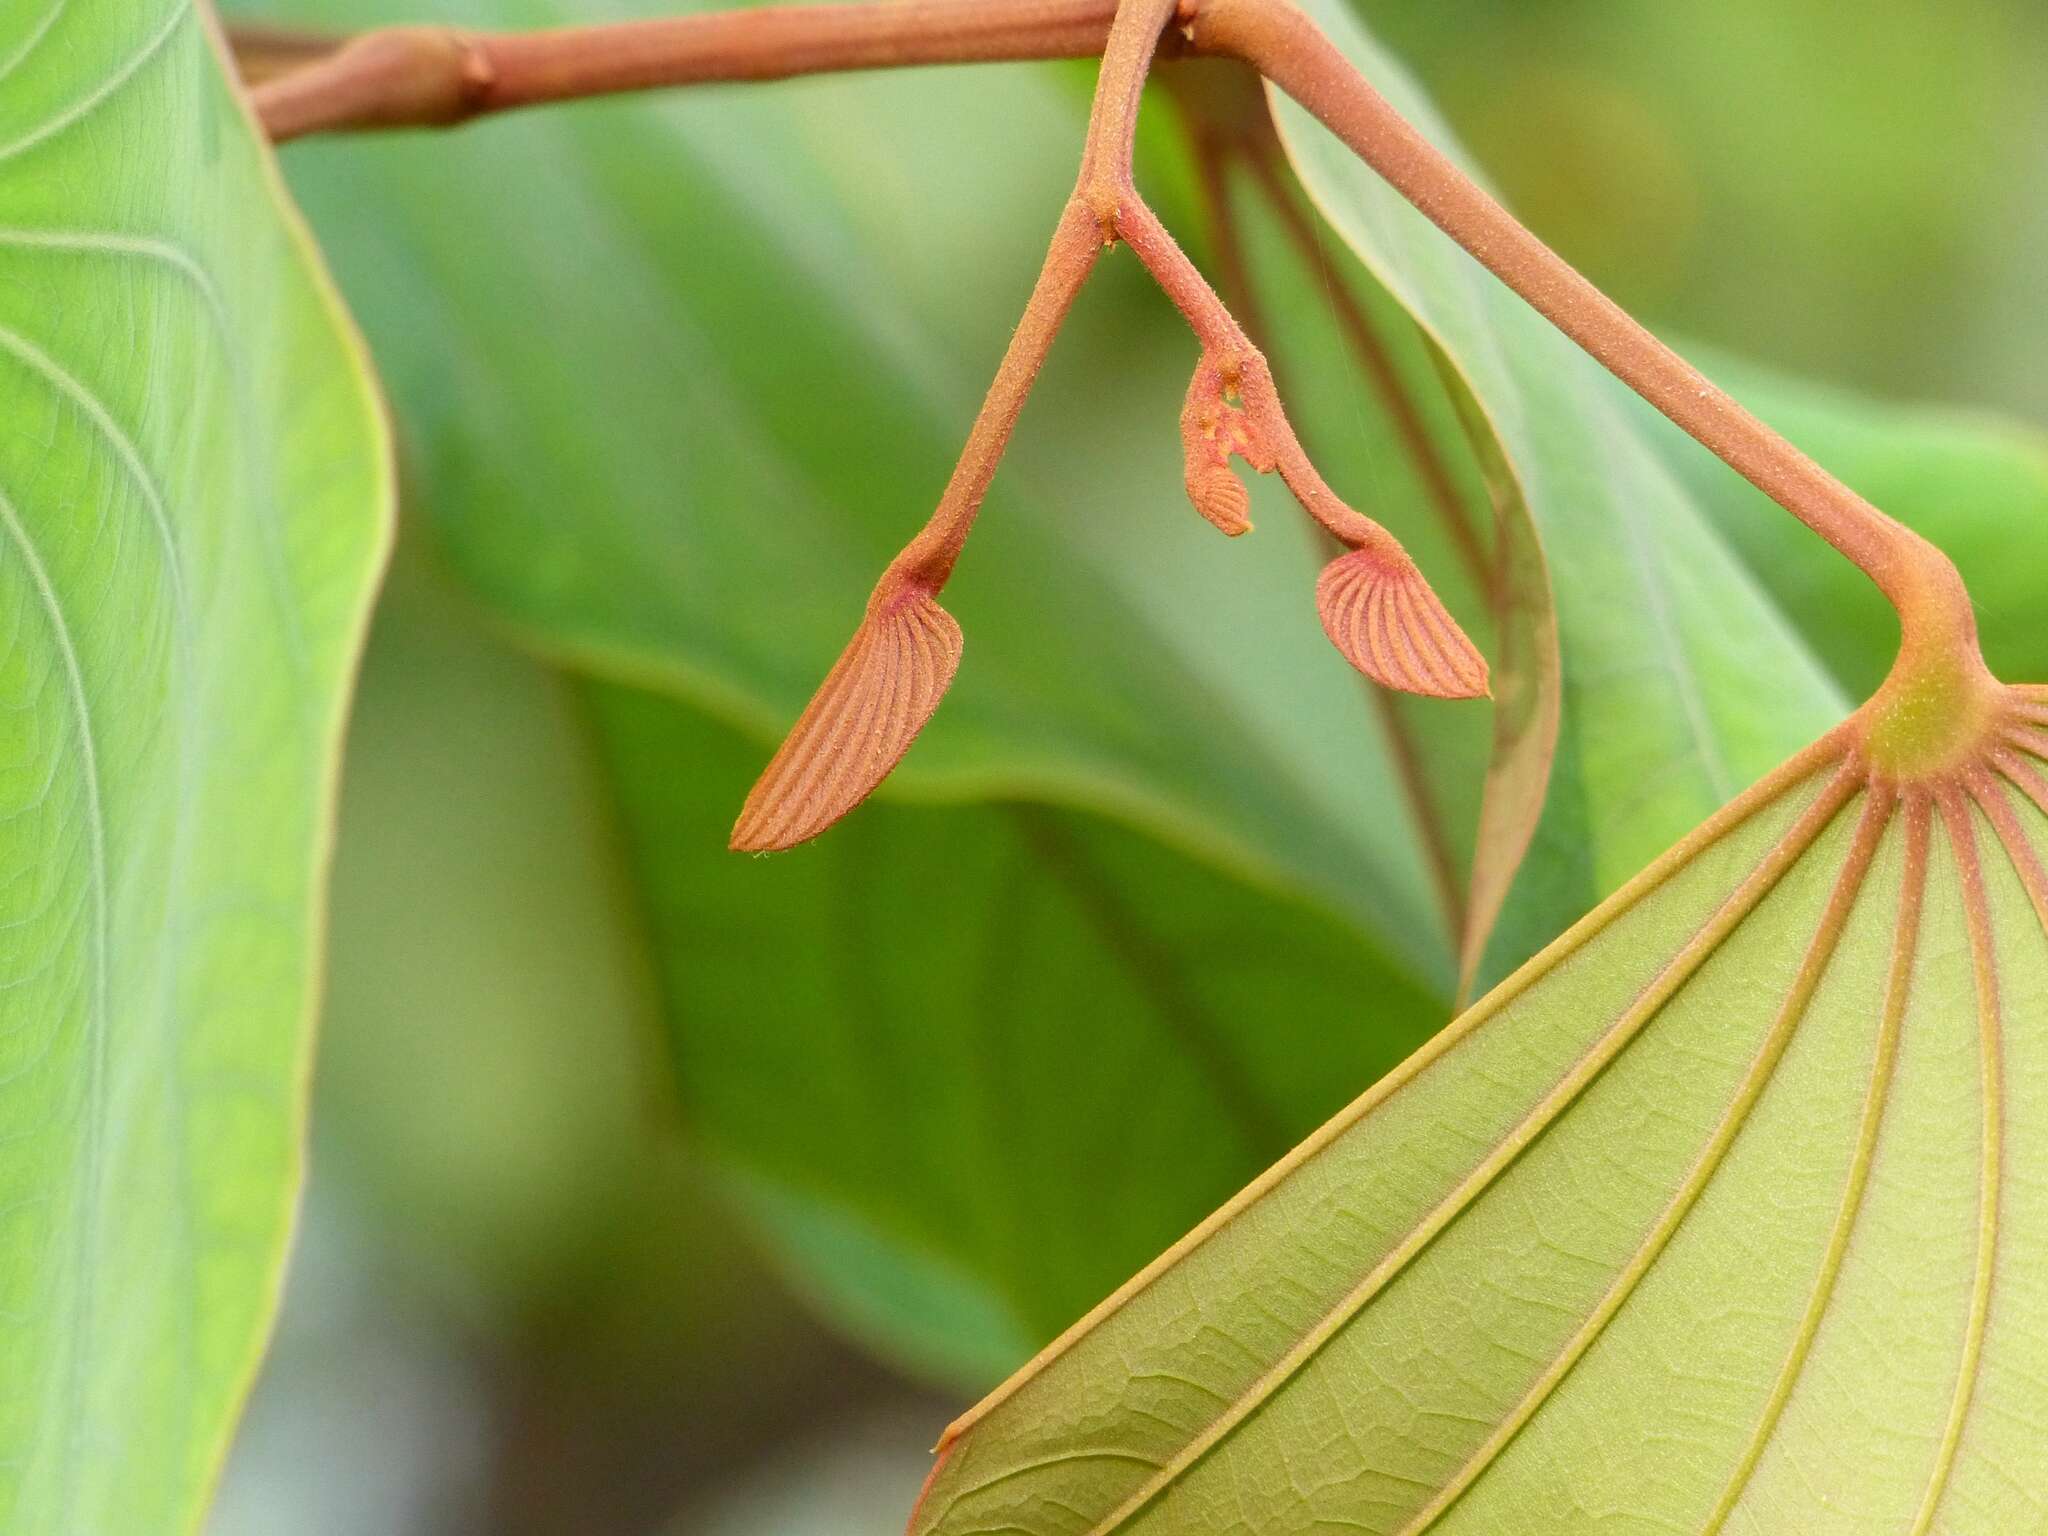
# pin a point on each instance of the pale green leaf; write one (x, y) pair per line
(193, 512)
(1724, 1214)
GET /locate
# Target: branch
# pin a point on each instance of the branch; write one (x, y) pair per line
(439, 76)
(436, 76)
(424, 76)
(1229, 125)
(1263, 161)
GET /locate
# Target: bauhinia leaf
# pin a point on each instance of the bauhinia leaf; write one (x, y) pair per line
(1723, 1214)
(193, 510)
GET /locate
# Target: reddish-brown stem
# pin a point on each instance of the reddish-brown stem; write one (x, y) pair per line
(1086, 223)
(421, 76)
(1076, 243)
(1106, 193)
(1215, 152)
(1213, 156)
(1373, 606)
(1106, 174)
(1244, 369)
(430, 75)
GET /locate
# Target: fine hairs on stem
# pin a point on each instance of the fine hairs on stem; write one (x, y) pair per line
(1374, 604)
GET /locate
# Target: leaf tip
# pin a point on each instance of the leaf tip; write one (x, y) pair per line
(1380, 611)
(863, 718)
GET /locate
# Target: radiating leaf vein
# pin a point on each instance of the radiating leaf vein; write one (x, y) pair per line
(99, 95)
(1897, 989)
(1596, 1060)
(1876, 815)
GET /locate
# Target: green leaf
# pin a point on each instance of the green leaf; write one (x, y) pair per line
(1001, 1053)
(1661, 629)
(193, 511)
(1725, 1213)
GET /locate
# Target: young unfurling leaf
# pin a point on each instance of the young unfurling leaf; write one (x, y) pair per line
(1391, 625)
(858, 725)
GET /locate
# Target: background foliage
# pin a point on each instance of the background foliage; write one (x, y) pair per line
(607, 1118)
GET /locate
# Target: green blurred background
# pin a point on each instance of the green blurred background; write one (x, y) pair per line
(523, 1301)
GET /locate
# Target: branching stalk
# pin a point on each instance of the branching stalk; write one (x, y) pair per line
(1371, 351)
(1939, 633)
(1076, 243)
(1229, 128)
(426, 76)
(440, 76)
(1375, 605)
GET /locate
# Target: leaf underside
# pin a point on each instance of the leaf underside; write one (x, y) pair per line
(1723, 1214)
(1659, 631)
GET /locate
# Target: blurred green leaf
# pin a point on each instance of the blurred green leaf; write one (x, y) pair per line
(194, 507)
(503, 1212)
(671, 430)
(493, 1084)
(970, 1064)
